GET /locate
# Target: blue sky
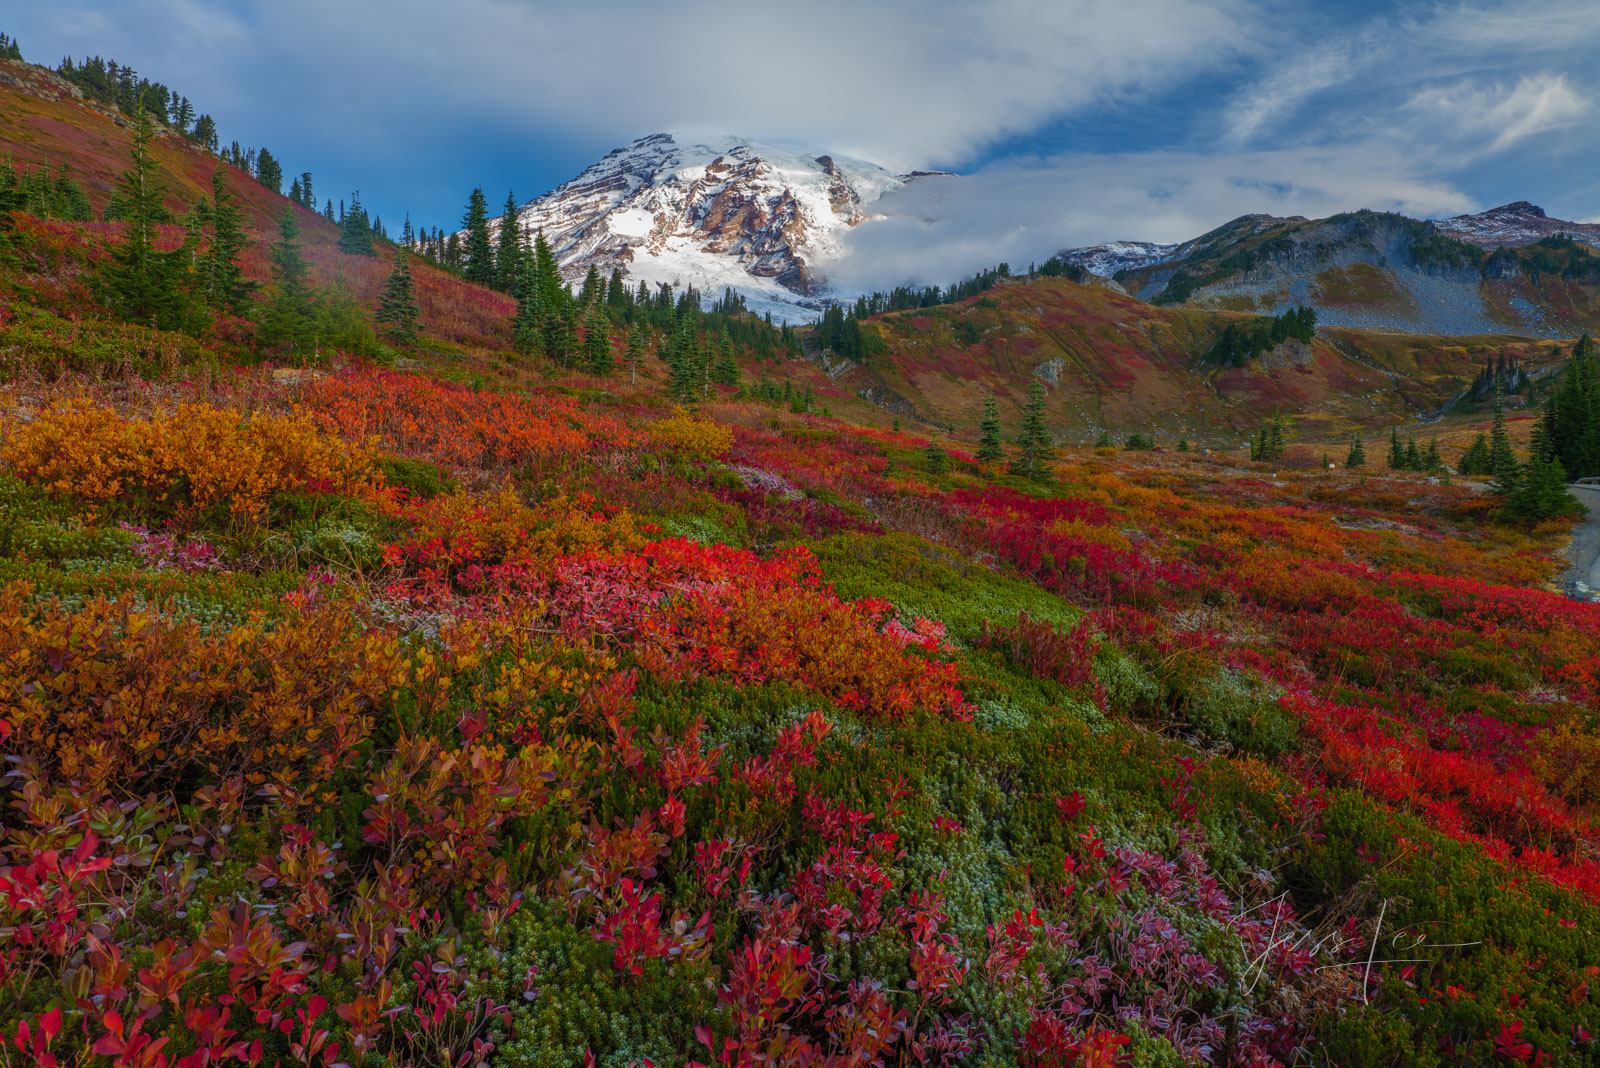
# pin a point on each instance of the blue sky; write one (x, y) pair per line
(1073, 121)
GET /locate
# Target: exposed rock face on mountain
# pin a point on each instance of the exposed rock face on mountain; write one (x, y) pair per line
(1512, 270)
(712, 214)
(1516, 225)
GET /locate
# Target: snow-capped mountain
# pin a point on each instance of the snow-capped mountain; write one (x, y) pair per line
(1106, 260)
(1513, 225)
(712, 214)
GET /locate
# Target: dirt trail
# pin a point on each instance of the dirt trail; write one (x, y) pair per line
(1583, 577)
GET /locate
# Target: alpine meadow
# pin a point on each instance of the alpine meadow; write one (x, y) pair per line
(1115, 583)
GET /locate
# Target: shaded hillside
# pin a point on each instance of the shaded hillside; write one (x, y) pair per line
(1115, 363)
(1382, 271)
(45, 121)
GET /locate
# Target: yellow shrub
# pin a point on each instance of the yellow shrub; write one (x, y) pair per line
(695, 437)
(197, 455)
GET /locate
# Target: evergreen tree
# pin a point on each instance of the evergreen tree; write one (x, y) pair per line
(596, 343)
(551, 291)
(289, 317)
(560, 337)
(1430, 459)
(222, 280)
(726, 371)
(327, 210)
(307, 198)
(1358, 454)
(268, 171)
(617, 295)
(397, 310)
(296, 195)
(1033, 439)
(1502, 460)
(1397, 451)
(1476, 460)
(1413, 459)
(145, 285)
(479, 266)
(1571, 416)
(509, 247)
(204, 133)
(989, 448)
(183, 116)
(355, 232)
(590, 293)
(935, 458)
(637, 348)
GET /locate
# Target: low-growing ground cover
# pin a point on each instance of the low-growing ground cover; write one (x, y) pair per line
(379, 719)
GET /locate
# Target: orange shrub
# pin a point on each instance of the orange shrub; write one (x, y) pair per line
(115, 696)
(197, 455)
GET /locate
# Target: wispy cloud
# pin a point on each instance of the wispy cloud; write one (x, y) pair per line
(1498, 116)
(937, 230)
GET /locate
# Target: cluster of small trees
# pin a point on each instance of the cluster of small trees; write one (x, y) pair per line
(9, 49)
(179, 289)
(1269, 441)
(37, 193)
(1239, 343)
(1536, 488)
(1035, 446)
(1407, 457)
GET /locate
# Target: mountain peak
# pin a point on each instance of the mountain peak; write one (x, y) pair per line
(713, 212)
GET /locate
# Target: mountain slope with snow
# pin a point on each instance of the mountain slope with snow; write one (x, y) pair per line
(715, 213)
(1511, 270)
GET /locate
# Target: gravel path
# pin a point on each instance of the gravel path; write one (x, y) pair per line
(1583, 577)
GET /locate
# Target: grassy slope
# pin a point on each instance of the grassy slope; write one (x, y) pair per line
(1125, 365)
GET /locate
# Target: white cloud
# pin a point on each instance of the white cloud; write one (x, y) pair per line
(908, 83)
(1497, 116)
(937, 230)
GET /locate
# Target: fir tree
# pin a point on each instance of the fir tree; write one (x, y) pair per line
(1475, 460)
(637, 348)
(990, 449)
(726, 371)
(590, 293)
(1397, 451)
(559, 336)
(268, 171)
(617, 295)
(596, 343)
(296, 195)
(479, 266)
(1413, 459)
(1502, 460)
(1033, 440)
(355, 233)
(509, 247)
(397, 310)
(222, 280)
(1358, 454)
(327, 210)
(289, 317)
(935, 458)
(145, 285)
(1430, 459)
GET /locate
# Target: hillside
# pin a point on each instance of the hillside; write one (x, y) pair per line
(44, 121)
(1115, 363)
(1508, 271)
